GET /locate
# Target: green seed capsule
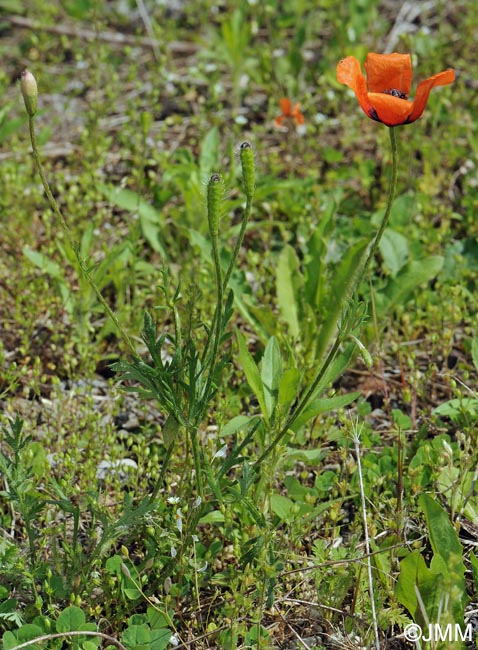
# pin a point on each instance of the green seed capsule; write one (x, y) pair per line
(215, 190)
(248, 171)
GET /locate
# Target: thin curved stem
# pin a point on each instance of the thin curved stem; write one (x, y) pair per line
(304, 400)
(388, 209)
(232, 263)
(240, 239)
(217, 323)
(81, 263)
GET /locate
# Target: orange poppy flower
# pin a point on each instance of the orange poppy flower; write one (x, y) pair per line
(383, 96)
(289, 113)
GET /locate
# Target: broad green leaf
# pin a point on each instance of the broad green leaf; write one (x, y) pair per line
(160, 639)
(137, 637)
(71, 619)
(25, 633)
(446, 545)
(288, 288)
(394, 249)
(318, 406)
(282, 506)
(288, 389)
(252, 373)
(271, 373)
(158, 619)
(414, 574)
(131, 593)
(442, 534)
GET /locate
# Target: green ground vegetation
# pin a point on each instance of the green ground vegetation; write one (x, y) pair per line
(163, 496)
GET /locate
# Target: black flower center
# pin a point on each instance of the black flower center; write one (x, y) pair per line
(395, 93)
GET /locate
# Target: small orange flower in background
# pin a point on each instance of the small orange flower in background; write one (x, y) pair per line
(383, 96)
(289, 113)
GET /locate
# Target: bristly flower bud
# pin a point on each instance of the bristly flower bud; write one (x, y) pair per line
(215, 191)
(29, 88)
(248, 172)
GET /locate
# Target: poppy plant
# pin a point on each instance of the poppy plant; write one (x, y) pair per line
(289, 113)
(383, 96)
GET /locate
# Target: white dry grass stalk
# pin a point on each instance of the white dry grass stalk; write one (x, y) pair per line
(356, 440)
(59, 635)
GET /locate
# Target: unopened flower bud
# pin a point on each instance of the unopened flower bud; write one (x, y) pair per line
(29, 91)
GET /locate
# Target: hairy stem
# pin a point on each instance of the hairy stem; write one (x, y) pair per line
(81, 263)
(304, 400)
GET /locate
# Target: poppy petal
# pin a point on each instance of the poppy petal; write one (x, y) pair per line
(390, 110)
(424, 88)
(285, 106)
(389, 72)
(297, 114)
(350, 74)
(278, 120)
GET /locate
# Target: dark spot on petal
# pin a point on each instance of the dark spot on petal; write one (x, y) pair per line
(395, 93)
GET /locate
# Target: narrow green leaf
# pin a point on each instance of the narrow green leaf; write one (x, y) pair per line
(411, 276)
(208, 159)
(234, 425)
(324, 405)
(339, 290)
(287, 288)
(307, 456)
(474, 351)
(336, 368)
(316, 252)
(288, 389)
(213, 517)
(271, 373)
(457, 407)
(394, 249)
(474, 568)
(44, 263)
(251, 371)
(151, 220)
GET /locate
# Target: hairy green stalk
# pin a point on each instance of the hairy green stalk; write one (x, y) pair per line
(304, 400)
(75, 247)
